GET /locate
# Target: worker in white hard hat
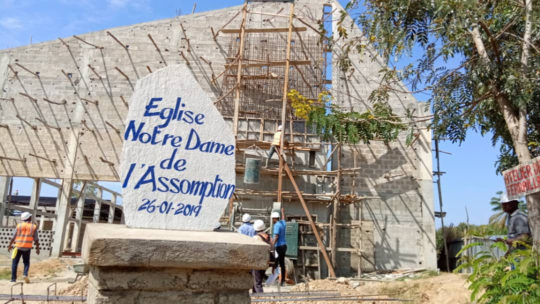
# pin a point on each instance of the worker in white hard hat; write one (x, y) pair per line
(246, 228)
(275, 143)
(517, 223)
(278, 240)
(258, 274)
(25, 235)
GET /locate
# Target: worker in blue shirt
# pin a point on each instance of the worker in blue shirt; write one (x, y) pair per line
(247, 228)
(279, 243)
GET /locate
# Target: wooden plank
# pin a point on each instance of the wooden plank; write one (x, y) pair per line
(261, 76)
(310, 219)
(264, 30)
(274, 172)
(313, 248)
(261, 130)
(335, 213)
(271, 63)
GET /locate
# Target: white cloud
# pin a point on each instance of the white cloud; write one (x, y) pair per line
(11, 23)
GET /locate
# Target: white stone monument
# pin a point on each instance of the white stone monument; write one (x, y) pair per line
(178, 173)
(178, 158)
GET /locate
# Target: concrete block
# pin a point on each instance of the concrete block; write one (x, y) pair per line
(151, 297)
(129, 278)
(220, 280)
(118, 246)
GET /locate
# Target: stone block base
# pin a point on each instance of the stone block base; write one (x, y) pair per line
(134, 285)
(161, 266)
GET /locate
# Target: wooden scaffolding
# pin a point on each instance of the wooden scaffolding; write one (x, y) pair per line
(263, 64)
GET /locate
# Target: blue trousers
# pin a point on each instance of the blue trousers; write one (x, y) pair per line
(15, 263)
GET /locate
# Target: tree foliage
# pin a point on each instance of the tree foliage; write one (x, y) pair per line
(471, 57)
(513, 278)
(334, 124)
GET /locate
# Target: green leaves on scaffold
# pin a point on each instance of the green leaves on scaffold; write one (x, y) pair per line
(332, 123)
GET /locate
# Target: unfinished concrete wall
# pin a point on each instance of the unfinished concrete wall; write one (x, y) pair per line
(46, 84)
(397, 176)
(63, 105)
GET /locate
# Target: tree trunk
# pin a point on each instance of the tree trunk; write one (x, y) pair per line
(517, 125)
(533, 205)
(516, 120)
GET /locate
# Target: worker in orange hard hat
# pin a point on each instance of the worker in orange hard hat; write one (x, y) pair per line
(25, 235)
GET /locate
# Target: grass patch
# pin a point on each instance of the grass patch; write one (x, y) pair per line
(5, 274)
(421, 275)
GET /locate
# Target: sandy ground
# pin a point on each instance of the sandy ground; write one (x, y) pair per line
(446, 288)
(441, 289)
(43, 273)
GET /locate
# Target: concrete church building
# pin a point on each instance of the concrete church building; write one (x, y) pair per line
(63, 108)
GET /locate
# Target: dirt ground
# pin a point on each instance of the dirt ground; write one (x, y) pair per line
(423, 289)
(43, 274)
(446, 288)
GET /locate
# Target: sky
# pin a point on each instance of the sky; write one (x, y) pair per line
(470, 180)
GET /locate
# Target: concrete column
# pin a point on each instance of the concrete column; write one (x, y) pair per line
(97, 206)
(78, 222)
(62, 212)
(56, 208)
(34, 197)
(63, 204)
(67, 235)
(112, 208)
(425, 181)
(5, 181)
(42, 220)
(129, 265)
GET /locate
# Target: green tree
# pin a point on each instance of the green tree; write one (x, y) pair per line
(498, 219)
(493, 89)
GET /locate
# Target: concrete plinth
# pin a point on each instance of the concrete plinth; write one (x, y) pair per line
(130, 265)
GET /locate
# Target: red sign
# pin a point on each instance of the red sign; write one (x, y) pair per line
(523, 179)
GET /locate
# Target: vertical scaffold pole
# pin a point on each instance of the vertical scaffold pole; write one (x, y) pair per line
(284, 104)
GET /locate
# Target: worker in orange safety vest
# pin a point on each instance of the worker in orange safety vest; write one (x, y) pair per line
(25, 235)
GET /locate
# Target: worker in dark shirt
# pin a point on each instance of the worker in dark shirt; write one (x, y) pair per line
(279, 243)
(517, 224)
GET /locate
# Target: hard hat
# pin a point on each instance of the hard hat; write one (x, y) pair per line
(280, 127)
(274, 214)
(25, 216)
(246, 218)
(258, 225)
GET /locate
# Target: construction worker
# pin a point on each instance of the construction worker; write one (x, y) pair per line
(24, 236)
(517, 224)
(275, 143)
(258, 275)
(279, 243)
(246, 228)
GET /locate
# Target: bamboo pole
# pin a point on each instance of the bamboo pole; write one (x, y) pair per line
(333, 240)
(284, 104)
(308, 215)
(239, 71)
